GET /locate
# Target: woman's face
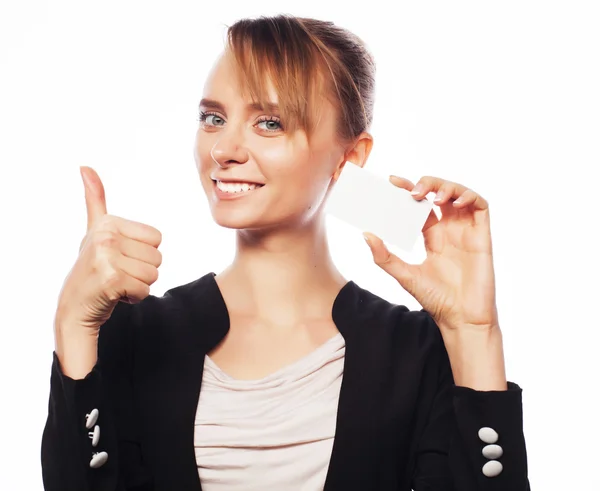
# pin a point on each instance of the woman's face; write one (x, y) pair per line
(236, 142)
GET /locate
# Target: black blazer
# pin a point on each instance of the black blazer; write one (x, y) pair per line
(401, 422)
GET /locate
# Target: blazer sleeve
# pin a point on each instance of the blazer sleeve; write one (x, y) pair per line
(72, 453)
(452, 454)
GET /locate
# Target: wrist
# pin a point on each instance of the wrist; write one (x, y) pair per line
(477, 359)
(76, 348)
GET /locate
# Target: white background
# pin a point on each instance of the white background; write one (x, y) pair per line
(500, 96)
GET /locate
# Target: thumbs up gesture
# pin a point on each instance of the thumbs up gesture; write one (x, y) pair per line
(118, 261)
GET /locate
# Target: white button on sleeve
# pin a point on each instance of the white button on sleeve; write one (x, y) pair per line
(492, 451)
(488, 435)
(98, 460)
(492, 468)
(90, 419)
(95, 435)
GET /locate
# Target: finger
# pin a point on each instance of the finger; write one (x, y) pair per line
(95, 199)
(402, 182)
(135, 249)
(140, 270)
(471, 198)
(430, 184)
(131, 290)
(467, 198)
(136, 230)
(406, 274)
(448, 193)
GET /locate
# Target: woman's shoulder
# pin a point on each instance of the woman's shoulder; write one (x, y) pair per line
(401, 344)
(199, 291)
(392, 323)
(185, 316)
(155, 316)
(183, 300)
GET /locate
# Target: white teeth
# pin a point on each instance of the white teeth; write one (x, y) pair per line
(236, 187)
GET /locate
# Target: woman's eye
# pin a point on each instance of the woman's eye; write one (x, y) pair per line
(270, 125)
(210, 119)
(215, 121)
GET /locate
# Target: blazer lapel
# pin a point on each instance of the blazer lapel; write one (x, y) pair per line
(191, 322)
(354, 455)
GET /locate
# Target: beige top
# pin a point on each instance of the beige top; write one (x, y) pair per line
(275, 433)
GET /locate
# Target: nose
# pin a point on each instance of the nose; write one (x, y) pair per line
(229, 149)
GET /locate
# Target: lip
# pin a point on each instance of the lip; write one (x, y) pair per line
(222, 195)
(232, 180)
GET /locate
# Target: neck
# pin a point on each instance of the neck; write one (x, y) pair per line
(286, 276)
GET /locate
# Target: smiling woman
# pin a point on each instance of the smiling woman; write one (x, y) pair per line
(291, 100)
(278, 373)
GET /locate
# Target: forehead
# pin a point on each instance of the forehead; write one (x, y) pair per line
(223, 82)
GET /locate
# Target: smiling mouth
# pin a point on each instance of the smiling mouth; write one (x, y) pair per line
(235, 188)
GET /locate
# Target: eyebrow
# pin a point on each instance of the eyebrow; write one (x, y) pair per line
(212, 104)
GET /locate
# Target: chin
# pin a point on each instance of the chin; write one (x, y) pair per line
(233, 220)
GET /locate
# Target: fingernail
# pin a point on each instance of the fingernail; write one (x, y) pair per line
(417, 189)
(366, 239)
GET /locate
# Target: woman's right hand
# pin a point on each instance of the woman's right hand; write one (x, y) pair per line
(118, 261)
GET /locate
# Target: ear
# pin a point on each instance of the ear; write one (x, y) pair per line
(358, 153)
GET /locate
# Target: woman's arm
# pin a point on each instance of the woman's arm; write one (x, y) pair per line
(450, 451)
(70, 461)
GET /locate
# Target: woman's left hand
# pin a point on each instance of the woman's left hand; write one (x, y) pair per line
(455, 284)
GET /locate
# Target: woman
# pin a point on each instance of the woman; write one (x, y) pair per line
(278, 373)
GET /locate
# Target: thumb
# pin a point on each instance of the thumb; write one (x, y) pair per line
(95, 199)
(404, 273)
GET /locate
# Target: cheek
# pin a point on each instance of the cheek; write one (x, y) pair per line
(275, 156)
(302, 182)
(283, 159)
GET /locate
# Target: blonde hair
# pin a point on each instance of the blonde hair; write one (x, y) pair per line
(306, 60)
